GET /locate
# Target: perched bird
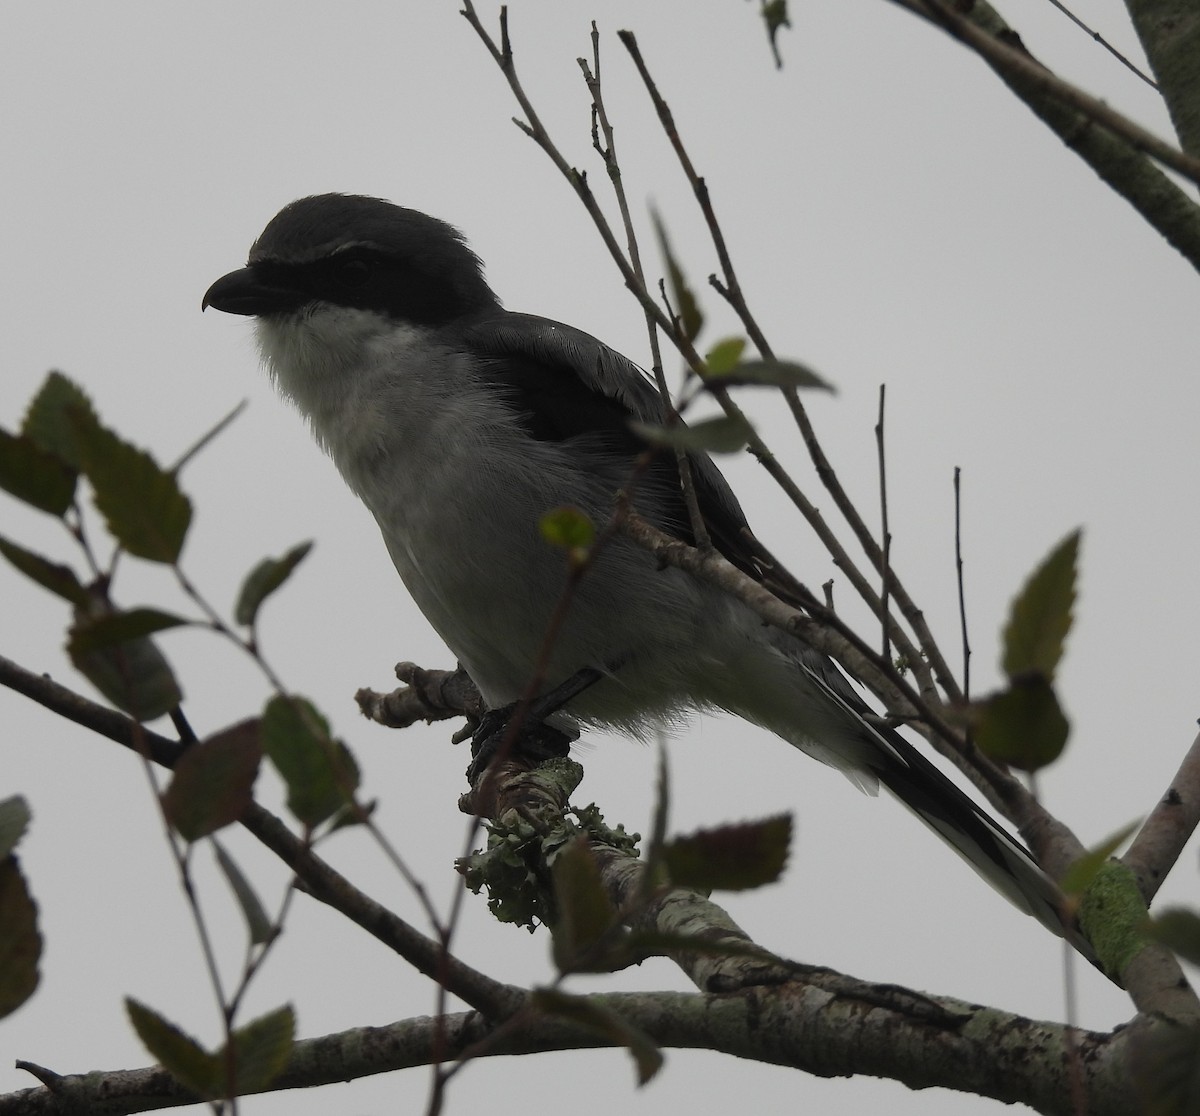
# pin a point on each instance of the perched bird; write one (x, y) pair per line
(459, 424)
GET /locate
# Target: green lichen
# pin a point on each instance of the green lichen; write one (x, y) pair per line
(1112, 914)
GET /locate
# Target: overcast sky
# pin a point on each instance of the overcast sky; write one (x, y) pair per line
(896, 217)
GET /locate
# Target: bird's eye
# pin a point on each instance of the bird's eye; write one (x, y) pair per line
(352, 272)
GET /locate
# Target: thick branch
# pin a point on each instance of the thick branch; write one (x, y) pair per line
(1164, 833)
(1169, 31)
(943, 1042)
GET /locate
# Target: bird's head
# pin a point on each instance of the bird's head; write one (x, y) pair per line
(357, 253)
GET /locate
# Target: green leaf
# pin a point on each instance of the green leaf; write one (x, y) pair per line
(261, 1050)
(1077, 878)
(320, 773)
(213, 782)
(691, 320)
(722, 358)
(568, 527)
(601, 1020)
(1041, 615)
(731, 857)
(724, 434)
(178, 1053)
(141, 503)
(94, 632)
(59, 579)
(1178, 929)
(20, 941)
(585, 914)
(34, 476)
(133, 675)
(1022, 726)
(264, 579)
(773, 373)
(14, 820)
(257, 923)
(48, 421)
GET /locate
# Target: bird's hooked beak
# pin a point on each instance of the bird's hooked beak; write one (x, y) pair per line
(248, 291)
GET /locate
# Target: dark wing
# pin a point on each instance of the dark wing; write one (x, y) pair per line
(567, 386)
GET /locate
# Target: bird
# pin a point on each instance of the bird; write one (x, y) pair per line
(460, 424)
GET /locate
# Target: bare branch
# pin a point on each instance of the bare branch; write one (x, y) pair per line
(321, 880)
(918, 1039)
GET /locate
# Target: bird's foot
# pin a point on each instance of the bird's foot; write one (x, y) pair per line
(532, 738)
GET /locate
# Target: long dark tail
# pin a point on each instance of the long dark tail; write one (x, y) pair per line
(878, 751)
(1000, 859)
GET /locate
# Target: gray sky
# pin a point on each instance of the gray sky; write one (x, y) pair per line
(896, 216)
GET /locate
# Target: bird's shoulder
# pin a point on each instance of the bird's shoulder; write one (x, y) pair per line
(569, 386)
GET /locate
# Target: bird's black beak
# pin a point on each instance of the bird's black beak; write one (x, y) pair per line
(251, 293)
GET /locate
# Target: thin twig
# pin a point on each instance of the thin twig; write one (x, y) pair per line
(1098, 38)
(826, 632)
(608, 155)
(930, 653)
(958, 570)
(884, 533)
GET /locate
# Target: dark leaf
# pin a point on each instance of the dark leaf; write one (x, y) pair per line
(1041, 615)
(586, 916)
(732, 857)
(134, 675)
(264, 579)
(605, 1022)
(722, 358)
(261, 1049)
(141, 503)
(113, 628)
(724, 434)
(773, 373)
(213, 781)
(1022, 726)
(20, 941)
(59, 579)
(775, 16)
(14, 820)
(178, 1053)
(1079, 876)
(48, 421)
(691, 320)
(257, 922)
(1178, 929)
(320, 774)
(31, 474)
